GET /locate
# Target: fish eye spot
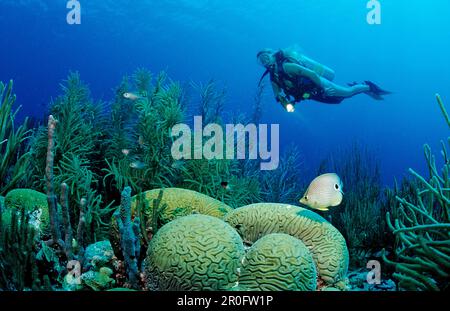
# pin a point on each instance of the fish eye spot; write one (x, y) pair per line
(306, 197)
(336, 186)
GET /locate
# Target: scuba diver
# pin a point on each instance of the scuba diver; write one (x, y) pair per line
(296, 77)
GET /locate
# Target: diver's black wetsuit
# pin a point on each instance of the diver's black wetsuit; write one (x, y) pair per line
(301, 86)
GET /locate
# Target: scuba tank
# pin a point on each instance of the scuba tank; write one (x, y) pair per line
(318, 68)
(299, 58)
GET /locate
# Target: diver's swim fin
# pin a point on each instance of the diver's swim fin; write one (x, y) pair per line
(375, 91)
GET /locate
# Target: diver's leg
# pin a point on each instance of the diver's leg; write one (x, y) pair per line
(332, 89)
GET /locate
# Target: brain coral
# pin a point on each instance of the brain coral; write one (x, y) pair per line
(33, 202)
(196, 252)
(325, 242)
(179, 202)
(278, 262)
(183, 202)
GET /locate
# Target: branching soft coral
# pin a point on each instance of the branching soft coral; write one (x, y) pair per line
(360, 217)
(284, 185)
(14, 163)
(80, 129)
(78, 146)
(211, 101)
(17, 251)
(147, 162)
(421, 225)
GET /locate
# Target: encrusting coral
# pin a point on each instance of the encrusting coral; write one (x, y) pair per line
(99, 254)
(35, 204)
(278, 262)
(195, 252)
(422, 227)
(326, 244)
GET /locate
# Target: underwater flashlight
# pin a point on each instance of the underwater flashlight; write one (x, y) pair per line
(290, 108)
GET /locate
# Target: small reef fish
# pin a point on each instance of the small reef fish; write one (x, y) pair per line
(131, 96)
(324, 191)
(225, 185)
(125, 152)
(137, 165)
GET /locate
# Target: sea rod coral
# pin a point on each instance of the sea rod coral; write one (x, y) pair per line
(422, 227)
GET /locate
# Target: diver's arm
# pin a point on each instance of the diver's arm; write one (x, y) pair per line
(297, 70)
(278, 95)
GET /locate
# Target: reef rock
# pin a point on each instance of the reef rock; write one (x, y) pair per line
(99, 255)
(325, 242)
(358, 282)
(196, 252)
(98, 280)
(278, 262)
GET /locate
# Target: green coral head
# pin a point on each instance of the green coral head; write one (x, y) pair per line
(34, 203)
(195, 252)
(277, 262)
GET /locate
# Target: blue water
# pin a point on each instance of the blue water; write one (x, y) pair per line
(196, 40)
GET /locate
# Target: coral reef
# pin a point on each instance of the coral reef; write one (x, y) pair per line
(278, 262)
(186, 226)
(421, 224)
(325, 243)
(195, 252)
